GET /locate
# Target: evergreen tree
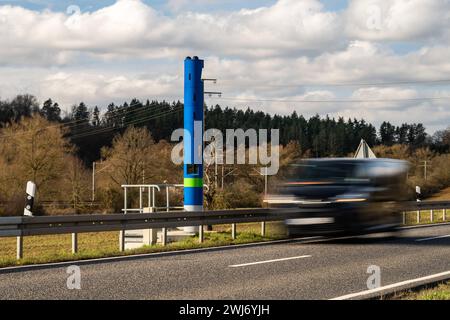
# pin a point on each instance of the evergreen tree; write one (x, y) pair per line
(51, 111)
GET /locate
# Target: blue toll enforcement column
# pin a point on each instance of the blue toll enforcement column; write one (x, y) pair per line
(193, 136)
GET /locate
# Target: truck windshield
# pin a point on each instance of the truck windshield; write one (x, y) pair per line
(329, 171)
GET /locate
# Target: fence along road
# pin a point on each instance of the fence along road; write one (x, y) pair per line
(49, 225)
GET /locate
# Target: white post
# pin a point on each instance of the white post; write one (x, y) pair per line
(140, 200)
(31, 192)
(263, 224)
(444, 216)
(125, 201)
(122, 232)
(233, 231)
(153, 198)
(150, 236)
(418, 216)
(27, 211)
(167, 199)
(432, 215)
(19, 247)
(200, 234)
(74, 243)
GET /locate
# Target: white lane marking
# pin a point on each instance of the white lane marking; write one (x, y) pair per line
(29, 267)
(432, 238)
(392, 286)
(268, 261)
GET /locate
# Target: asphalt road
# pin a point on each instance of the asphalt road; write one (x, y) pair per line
(290, 270)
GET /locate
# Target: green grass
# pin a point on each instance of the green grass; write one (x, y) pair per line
(57, 248)
(441, 292)
(425, 217)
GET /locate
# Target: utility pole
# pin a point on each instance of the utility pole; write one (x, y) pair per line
(265, 179)
(219, 94)
(215, 165)
(94, 166)
(425, 168)
(226, 175)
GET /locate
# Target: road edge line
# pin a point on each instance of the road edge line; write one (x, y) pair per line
(396, 287)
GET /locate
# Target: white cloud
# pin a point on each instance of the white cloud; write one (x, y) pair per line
(291, 50)
(398, 20)
(129, 27)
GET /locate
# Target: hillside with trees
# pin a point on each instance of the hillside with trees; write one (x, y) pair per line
(131, 142)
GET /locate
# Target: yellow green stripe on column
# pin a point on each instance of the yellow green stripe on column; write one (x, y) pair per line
(193, 182)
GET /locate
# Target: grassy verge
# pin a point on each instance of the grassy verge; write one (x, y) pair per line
(425, 217)
(440, 292)
(56, 248)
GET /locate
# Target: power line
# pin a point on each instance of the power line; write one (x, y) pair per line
(336, 101)
(103, 130)
(107, 129)
(82, 122)
(348, 84)
(125, 114)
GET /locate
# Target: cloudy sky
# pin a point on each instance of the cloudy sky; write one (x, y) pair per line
(373, 59)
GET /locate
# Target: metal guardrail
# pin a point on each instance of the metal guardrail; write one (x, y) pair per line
(430, 206)
(50, 225)
(424, 205)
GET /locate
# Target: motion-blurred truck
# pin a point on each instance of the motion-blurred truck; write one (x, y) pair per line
(342, 196)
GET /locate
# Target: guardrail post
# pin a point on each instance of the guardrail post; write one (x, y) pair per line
(404, 217)
(200, 234)
(418, 216)
(432, 215)
(444, 215)
(149, 236)
(164, 236)
(263, 229)
(19, 247)
(74, 243)
(122, 240)
(122, 232)
(233, 231)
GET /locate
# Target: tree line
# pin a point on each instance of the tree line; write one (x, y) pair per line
(89, 129)
(130, 144)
